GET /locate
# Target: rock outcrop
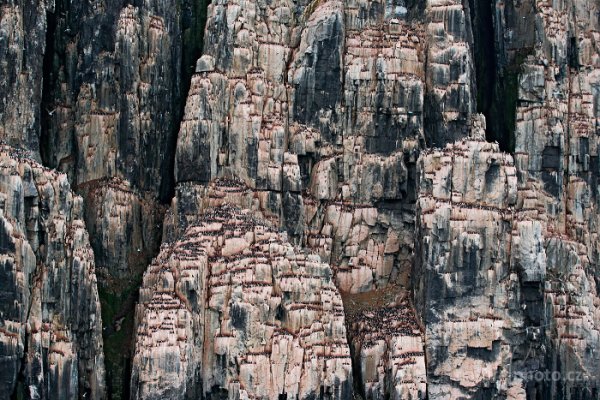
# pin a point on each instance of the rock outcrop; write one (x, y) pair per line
(326, 150)
(232, 310)
(113, 93)
(498, 298)
(556, 145)
(50, 325)
(319, 109)
(450, 77)
(22, 43)
(323, 107)
(387, 344)
(111, 104)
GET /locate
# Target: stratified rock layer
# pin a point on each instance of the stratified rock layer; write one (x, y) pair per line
(556, 144)
(319, 109)
(343, 123)
(232, 310)
(112, 101)
(50, 326)
(322, 105)
(502, 293)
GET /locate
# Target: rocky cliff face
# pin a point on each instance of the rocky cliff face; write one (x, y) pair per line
(329, 214)
(387, 344)
(503, 293)
(232, 309)
(111, 105)
(323, 107)
(22, 43)
(51, 331)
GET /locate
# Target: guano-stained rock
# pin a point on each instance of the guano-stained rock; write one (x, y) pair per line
(498, 298)
(346, 133)
(232, 310)
(50, 327)
(322, 105)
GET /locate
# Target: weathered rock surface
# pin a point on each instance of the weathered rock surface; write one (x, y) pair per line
(350, 126)
(113, 95)
(111, 104)
(450, 80)
(497, 296)
(556, 144)
(50, 326)
(322, 105)
(387, 344)
(232, 310)
(22, 43)
(127, 224)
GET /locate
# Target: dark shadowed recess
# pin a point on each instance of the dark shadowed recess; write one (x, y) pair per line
(66, 21)
(487, 77)
(416, 8)
(498, 64)
(193, 21)
(48, 80)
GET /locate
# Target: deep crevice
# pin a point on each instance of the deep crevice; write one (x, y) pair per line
(497, 85)
(121, 307)
(19, 391)
(48, 83)
(357, 382)
(193, 23)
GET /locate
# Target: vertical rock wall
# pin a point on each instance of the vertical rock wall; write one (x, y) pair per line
(322, 106)
(51, 328)
(319, 109)
(23, 28)
(112, 100)
(502, 292)
(232, 310)
(350, 126)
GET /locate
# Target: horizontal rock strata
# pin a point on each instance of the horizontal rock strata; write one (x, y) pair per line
(232, 310)
(497, 303)
(326, 150)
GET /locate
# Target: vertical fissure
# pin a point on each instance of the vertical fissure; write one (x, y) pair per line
(496, 80)
(118, 307)
(193, 22)
(484, 51)
(46, 109)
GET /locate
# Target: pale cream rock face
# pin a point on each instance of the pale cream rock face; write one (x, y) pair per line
(233, 302)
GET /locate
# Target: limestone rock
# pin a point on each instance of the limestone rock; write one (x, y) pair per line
(489, 285)
(50, 325)
(205, 63)
(23, 28)
(449, 69)
(127, 224)
(231, 309)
